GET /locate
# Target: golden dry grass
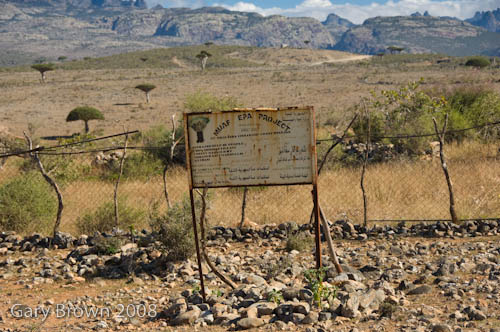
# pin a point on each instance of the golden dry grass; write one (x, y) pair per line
(396, 190)
(410, 190)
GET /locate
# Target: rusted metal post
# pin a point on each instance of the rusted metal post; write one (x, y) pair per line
(317, 228)
(197, 244)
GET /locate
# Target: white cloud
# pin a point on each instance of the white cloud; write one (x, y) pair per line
(358, 13)
(177, 3)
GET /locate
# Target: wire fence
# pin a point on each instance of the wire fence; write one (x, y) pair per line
(397, 189)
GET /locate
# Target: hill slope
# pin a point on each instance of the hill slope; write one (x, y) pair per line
(419, 34)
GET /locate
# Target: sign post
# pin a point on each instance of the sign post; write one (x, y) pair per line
(252, 147)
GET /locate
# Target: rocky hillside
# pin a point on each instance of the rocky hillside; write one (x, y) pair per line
(43, 30)
(490, 20)
(419, 34)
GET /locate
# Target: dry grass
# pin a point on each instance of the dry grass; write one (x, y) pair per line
(411, 190)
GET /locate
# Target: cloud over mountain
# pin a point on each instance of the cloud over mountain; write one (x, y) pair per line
(356, 13)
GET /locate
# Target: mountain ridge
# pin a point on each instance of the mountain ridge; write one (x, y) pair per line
(34, 29)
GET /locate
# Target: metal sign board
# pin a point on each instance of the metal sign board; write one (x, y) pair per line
(251, 147)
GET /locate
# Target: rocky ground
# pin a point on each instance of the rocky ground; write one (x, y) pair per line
(439, 277)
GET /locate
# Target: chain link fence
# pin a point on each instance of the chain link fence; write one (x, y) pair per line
(401, 189)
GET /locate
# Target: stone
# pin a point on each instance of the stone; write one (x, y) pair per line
(250, 323)
(424, 289)
(254, 279)
(128, 246)
(63, 240)
(265, 308)
(350, 307)
(311, 318)
(441, 328)
(187, 317)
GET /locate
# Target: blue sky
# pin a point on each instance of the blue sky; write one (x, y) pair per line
(354, 10)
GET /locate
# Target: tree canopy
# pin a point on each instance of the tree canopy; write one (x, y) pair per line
(42, 68)
(146, 87)
(85, 114)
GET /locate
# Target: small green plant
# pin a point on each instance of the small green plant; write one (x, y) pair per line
(101, 220)
(27, 204)
(320, 292)
(299, 242)
(196, 289)
(107, 245)
(217, 293)
(275, 296)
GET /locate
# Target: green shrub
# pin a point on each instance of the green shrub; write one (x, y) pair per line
(201, 102)
(485, 109)
(107, 245)
(160, 136)
(175, 229)
(299, 242)
(478, 62)
(27, 204)
(103, 219)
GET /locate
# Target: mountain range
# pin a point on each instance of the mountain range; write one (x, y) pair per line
(38, 30)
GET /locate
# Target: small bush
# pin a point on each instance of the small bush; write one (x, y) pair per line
(160, 136)
(175, 229)
(107, 245)
(478, 62)
(102, 219)
(27, 204)
(299, 242)
(201, 102)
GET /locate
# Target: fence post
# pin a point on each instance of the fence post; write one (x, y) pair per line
(445, 167)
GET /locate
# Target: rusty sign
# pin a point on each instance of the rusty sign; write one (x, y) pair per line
(250, 147)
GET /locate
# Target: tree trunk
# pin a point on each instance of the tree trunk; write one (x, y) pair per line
(43, 76)
(203, 63)
(117, 220)
(445, 167)
(147, 97)
(86, 127)
(363, 172)
(203, 244)
(165, 189)
(52, 183)
(243, 206)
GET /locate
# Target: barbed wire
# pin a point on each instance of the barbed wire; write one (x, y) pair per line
(44, 150)
(407, 136)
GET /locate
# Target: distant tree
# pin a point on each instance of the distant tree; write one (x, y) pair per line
(203, 57)
(85, 114)
(42, 68)
(307, 42)
(209, 44)
(395, 49)
(146, 88)
(478, 62)
(144, 59)
(62, 58)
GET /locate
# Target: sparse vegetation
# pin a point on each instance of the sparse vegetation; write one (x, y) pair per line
(175, 229)
(299, 242)
(101, 219)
